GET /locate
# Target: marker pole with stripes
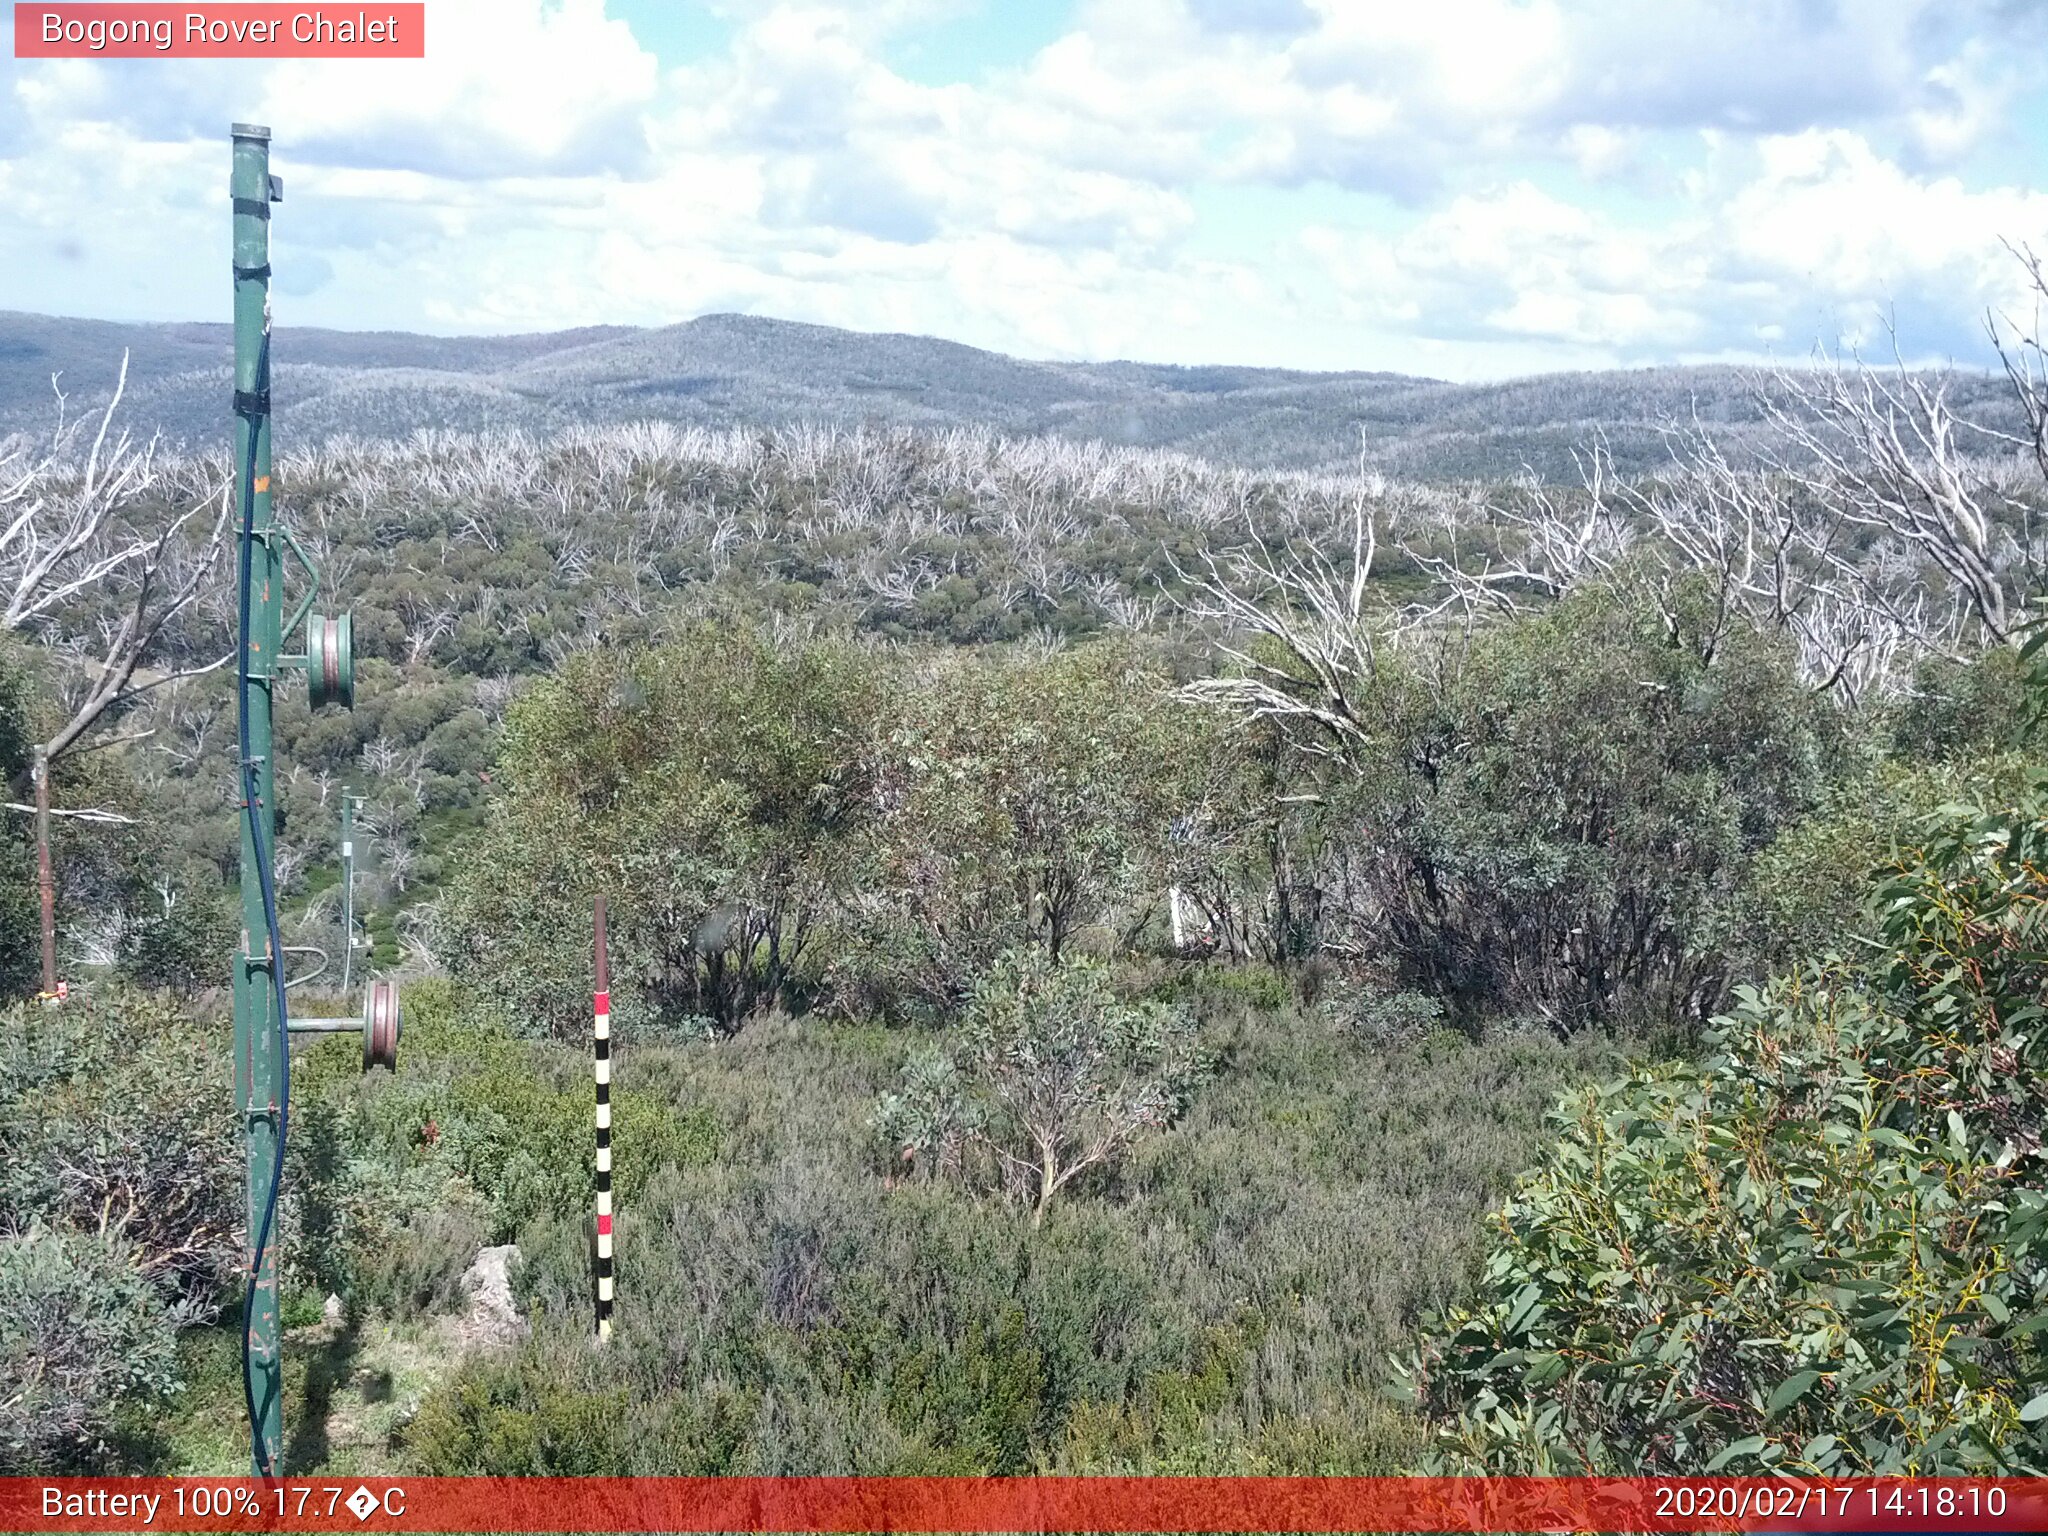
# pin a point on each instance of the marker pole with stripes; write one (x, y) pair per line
(601, 1043)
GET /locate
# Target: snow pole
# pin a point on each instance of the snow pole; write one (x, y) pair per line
(601, 1055)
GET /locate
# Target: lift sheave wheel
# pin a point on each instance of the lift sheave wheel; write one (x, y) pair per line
(330, 661)
(380, 1025)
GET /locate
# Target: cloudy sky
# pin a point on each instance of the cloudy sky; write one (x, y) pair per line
(1464, 188)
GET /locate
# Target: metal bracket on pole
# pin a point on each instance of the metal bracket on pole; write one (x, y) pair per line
(312, 571)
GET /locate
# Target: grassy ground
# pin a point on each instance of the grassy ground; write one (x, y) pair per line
(1225, 1301)
(349, 1392)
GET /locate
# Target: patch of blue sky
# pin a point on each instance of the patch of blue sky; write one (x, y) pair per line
(1646, 193)
(675, 31)
(2011, 155)
(972, 39)
(1244, 221)
(1639, 169)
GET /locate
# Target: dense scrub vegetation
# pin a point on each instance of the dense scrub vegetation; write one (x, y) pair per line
(1094, 935)
(1296, 1189)
(1221, 1299)
(1823, 1247)
(120, 1177)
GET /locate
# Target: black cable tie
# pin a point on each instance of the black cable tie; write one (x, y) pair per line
(252, 402)
(254, 207)
(247, 274)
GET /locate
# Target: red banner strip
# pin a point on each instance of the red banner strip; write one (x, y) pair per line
(379, 30)
(846, 1504)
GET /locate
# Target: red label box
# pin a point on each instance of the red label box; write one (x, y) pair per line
(220, 31)
(385, 1506)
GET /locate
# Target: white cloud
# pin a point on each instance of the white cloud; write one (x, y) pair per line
(1478, 184)
(1819, 235)
(511, 88)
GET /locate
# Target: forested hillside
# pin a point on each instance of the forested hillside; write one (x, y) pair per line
(746, 371)
(1097, 934)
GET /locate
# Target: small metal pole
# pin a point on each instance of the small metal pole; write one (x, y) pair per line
(601, 1046)
(348, 887)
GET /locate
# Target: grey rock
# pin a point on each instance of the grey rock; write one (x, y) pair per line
(492, 1316)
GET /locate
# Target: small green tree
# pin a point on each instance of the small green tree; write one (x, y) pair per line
(1025, 800)
(1054, 1074)
(715, 789)
(1560, 826)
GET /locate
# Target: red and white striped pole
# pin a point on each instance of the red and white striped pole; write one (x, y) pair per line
(601, 1044)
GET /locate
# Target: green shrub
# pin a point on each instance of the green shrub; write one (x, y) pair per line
(1380, 1017)
(182, 944)
(1807, 890)
(399, 1178)
(419, 1266)
(116, 1116)
(1556, 825)
(1027, 802)
(20, 914)
(82, 1332)
(1224, 1299)
(714, 790)
(556, 1408)
(1256, 987)
(1823, 1250)
(1053, 1075)
(1960, 709)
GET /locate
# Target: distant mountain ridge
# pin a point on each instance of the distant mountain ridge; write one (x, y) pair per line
(728, 369)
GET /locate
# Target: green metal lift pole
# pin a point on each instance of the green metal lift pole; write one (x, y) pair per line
(258, 1063)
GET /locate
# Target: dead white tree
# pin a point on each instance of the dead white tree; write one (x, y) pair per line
(381, 755)
(73, 537)
(1882, 528)
(1544, 542)
(2021, 352)
(1293, 622)
(901, 584)
(1773, 557)
(416, 930)
(399, 861)
(426, 630)
(1884, 451)
(1124, 610)
(86, 545)
(494, 696)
